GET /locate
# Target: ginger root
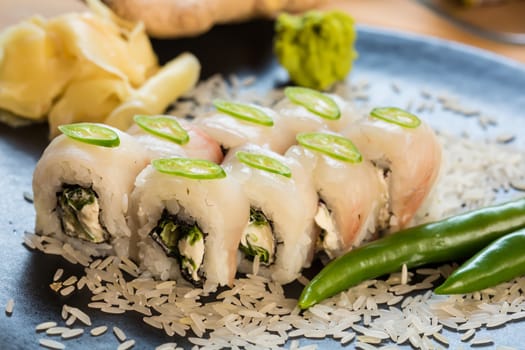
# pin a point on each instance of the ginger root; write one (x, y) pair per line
(179, 18)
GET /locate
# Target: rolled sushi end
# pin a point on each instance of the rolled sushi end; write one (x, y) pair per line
(183, 241)
(257, 238)
(79, 213)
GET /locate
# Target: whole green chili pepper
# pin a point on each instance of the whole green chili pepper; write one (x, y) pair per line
(500, 261)
(453, 238)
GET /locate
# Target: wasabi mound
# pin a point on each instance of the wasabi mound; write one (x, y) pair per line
(316, 48)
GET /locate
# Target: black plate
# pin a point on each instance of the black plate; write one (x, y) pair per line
(482, 80)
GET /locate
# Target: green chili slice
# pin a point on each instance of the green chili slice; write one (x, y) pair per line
(397, 116)
(314, 101)
(91, 133)
(450, 239)
(244, 112)
(198, 169)
(163, 126)
(263, 162)
(335, 146)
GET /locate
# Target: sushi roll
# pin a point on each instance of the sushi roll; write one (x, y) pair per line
(233, 124)
(168, 136)
(353, 193)
(189, 218)
(307, 110)
(281, 232)
(407, 150)
(81, 186)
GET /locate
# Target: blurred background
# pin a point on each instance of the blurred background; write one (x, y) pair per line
(494, 25)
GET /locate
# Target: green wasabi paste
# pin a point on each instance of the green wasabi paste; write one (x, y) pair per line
(316, 48)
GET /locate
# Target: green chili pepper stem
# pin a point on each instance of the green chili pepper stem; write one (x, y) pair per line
(453, 238)
(500, 261)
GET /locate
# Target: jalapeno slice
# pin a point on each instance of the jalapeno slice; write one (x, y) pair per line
(264, 162)
(91, 133)
(397, 116)
(337, 147)
(198, 169)
(163, 126)
(244, 112)
(314, 101)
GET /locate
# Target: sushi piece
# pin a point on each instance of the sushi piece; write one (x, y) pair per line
(233, 124)
(407, 149)
(189, 217)
(281, 232)
(353, 193)
(168, 136)
(307, 110)
(81, 186)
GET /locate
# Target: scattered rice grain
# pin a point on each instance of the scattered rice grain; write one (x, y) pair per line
(167, 346)
(70, 320)
(97, 331)
(56, 330)
(440, 338)
(404, 274)
(79, 314)
(518, 184)
(68, 290)
(113, 310)
(58, 274)
(45, 325)
(51, 344)
(481, 341)
(128, 344)
(303, 280)
(9, 307)
(119, 333)
(28, 196)
(468, 334)
(72, 333)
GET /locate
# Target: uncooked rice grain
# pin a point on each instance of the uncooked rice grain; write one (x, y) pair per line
(45, 325)
(70, 320)
(404, 274)
(70, 281)
(481, 340)
(167, 346)
(58, 274)
(79, 314)
(119, 333)
(72, 333)
(56, 330)
(9, 307)
(97, 331)
(113, 310)
(51, 344)
(68, 290)
(128, 344)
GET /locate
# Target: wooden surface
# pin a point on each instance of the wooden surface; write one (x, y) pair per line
(413, 16)
(405, 15)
